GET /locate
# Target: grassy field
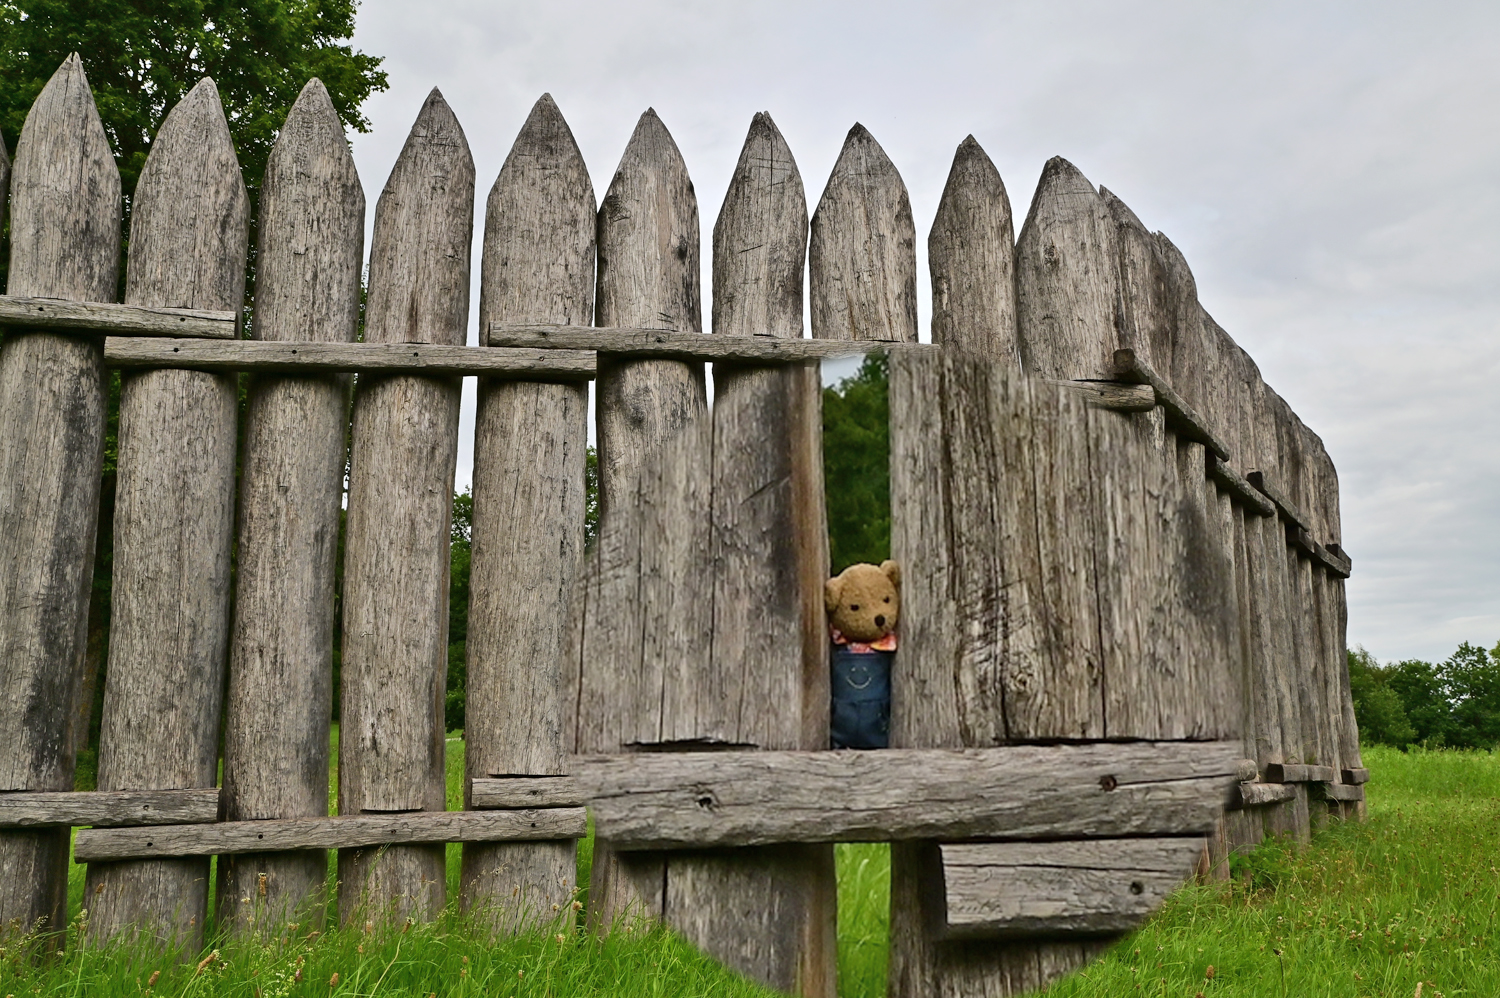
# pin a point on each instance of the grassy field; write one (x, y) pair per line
(1370, 910)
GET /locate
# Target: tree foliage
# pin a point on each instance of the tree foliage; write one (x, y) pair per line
(856, 465)
(1454, 704)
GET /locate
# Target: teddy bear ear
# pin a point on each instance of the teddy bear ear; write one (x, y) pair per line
(831, 590)
(892, 571)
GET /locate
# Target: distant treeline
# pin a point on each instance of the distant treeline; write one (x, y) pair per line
(1453, 704)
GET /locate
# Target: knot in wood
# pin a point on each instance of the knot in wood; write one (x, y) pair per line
(1108, 783)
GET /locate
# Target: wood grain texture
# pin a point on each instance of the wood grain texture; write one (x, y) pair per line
(862, 261)
(530, 443)
(115, 320)
(174, 520)
(751, 348)
(971, 255)
(227, 838)
(661, 800)
(1300, 773)
(65, 243)
(1113, 395)
(303, 357)
(766, 913)
(403, 451)
(1260, 794)
(1145, 322)
(1090, 887)
(1067, 279)
(1243, 493)
(648, 276)
(524, 791)
(1181, 416)
(280, 694)
(104, 808)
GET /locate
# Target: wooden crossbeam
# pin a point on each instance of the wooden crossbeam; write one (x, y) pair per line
(1119, 396)
(1267, 485)
(1096, 886)
(379, 358)
(58, 315)
(525, 791)
(1180, 416)
(344, 832)
(1247, 495)
(1339, 791)
(1258, 794)
(671, 344)
(1356, 776)
(1277, 772)
(714, 799)
(107, 808)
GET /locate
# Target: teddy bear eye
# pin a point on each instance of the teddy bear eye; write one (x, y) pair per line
(887, 599)
(854, 606)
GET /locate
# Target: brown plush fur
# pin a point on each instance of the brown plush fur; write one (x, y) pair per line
(864, 601)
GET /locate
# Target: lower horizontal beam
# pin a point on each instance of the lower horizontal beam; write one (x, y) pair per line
(1277, 772)
(1338, 791)
(686, 800)
(1260, 794)
(1093, 887)
(1356, 776)
(105, 808)
(429, 359)
(345, 832)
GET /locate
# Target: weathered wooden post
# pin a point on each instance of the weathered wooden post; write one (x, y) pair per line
(766, 912)
(647, 276)
(529, 454)
(65, 243)
(971, 256)
(403, 451)
(311, 239)
(174, 518)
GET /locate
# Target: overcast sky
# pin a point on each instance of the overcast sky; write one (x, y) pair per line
(1330, 170)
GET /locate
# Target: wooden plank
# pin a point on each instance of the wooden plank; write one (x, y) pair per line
(1339, 791)
(1181, 416)
(754, 346)
(1019, 889)
(346, 832)
(106, 808)
(310, 358)
(971, 256)
(1299, 773)
(1265, 483)
(1113, 395)
(62, 316)
(174, 521)
(280, 694)
(1244, 494)
(1146, 322)
(65, 243)
(862, 259)
(403, 451)
(767, 913)
(1067, 279)
(1259, 794)
(648, 275)
(668, 800)
(499, 792)
(530, 445)
(1355, 776)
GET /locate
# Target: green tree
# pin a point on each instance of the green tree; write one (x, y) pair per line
(1471, 680)
(856, 465)
(460, 550)
(1377, 709)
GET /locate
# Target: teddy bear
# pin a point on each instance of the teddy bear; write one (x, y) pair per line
(864, 605)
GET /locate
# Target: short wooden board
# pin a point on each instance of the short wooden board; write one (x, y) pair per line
(345, 832)
(525, 791)
(1338, 791)
(1090, 887)
(57, 315)
(1277, 772)
(107, 808)
(1259, 794)
(1356, 776)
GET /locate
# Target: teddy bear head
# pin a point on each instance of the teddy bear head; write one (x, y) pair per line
(864, 601)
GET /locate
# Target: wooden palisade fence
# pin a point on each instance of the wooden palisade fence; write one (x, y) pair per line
(1123, 583)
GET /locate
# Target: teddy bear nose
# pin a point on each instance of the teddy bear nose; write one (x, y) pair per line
(880, 620)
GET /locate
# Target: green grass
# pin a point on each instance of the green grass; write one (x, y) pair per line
(1369, 910)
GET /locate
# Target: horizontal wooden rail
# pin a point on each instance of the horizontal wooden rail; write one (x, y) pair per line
(376, 358)
(1245, 493)
(344, 832)
(525, 791)
(1338, 791)
(106, 318)
(1267, 486)
(668, 343)
(1335, 564)
(1356, 776)
(1180, 416)
(1277, 772)
(105, 808)
(713, 799)
(1092, 887)
(1117, 395)
(1258, 794)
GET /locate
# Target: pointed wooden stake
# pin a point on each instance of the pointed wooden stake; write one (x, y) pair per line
(529, 453)
(174, 518)
(65, 243)
(1146, 322)
(404, 448)
(311, 238)
(863, 259)
(1066, 279)
(971, 253)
